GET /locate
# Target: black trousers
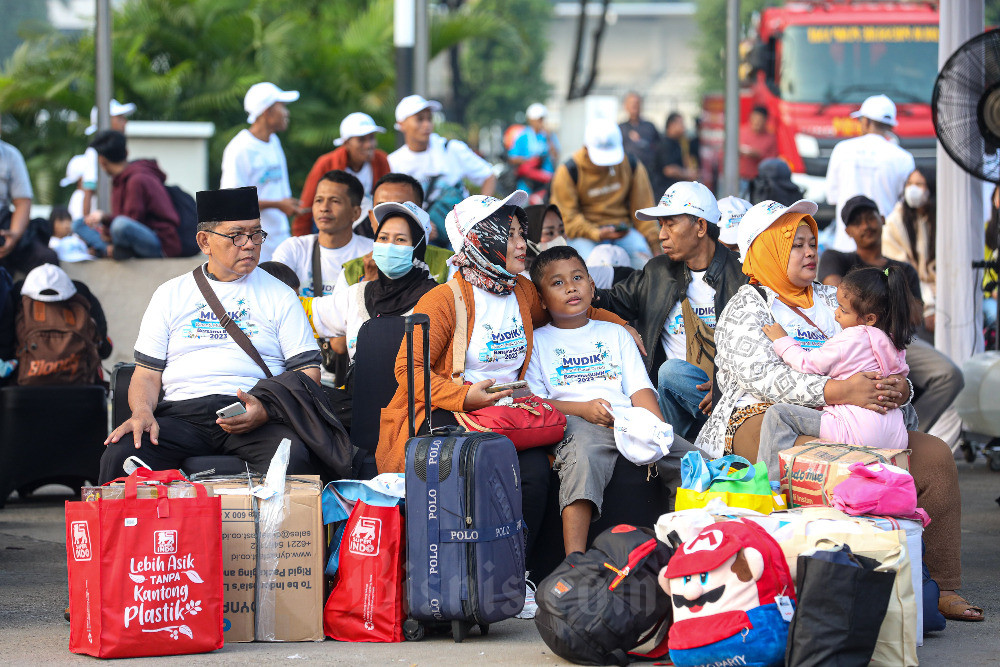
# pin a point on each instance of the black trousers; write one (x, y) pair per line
(188, 428)
(535, 478)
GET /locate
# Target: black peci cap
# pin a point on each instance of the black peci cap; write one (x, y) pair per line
(228, 204)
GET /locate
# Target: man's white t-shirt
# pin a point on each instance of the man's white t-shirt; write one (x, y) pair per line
(702, 297)
(181, 336)
(249, 161)
(498, 346)
(296, 253)
(453, 161)
(869, 165)
(598, 360)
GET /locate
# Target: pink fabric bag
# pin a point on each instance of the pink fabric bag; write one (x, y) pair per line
(879, 489)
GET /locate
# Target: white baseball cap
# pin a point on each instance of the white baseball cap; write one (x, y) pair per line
(115, 108)
(536, 111)
(762, 215)
(79, 167)
(357, 124)
(879, 108)
(413, 104)
(261, 96)
(471, 210)
(640, 436)
(684, 198)
(603, 140)
(409, 209)
(731, 210)
(48, 283)
(607, 254)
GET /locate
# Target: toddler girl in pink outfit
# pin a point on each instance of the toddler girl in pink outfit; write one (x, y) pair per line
(876, 325)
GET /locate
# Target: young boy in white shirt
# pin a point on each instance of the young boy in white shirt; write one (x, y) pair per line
(586, 368)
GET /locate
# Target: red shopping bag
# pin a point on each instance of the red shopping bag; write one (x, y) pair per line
(145, 574)
(366, 604)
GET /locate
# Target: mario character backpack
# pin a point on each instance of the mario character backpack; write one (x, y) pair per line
(732, 598)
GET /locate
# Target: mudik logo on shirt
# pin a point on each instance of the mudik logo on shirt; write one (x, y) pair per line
(585, 368)
(206, 325)
(506, 345)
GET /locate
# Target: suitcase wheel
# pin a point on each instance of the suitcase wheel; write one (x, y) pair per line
(413, 630)
(484, 629)
(460, 630)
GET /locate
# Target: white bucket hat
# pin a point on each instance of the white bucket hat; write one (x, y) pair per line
(640, 436)
(357, 124)
(473, 209)
(413, 104)
(409, 209)
(731, 210)
(261, 96)
(603, 140)
(762, 215)
(684, 198)
(879, 108)
(48, 283)
(115, 108)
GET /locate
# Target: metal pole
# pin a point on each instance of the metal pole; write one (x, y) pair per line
(404, 36)
(104, 77)
(421, 49)
(731, 174)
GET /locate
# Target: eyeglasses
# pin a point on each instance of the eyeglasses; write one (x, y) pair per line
(240, 240)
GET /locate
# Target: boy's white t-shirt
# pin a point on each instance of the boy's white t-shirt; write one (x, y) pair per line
(70, 248)
(702, 298)
(452, 161)
(75, 205)
(181, 336)
(498, 346)
(598, 360)
(249, 161)
(296, 253)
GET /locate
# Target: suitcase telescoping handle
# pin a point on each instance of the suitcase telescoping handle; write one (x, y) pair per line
(409, 322)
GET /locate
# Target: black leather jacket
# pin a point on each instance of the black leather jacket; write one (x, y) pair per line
(648, 295)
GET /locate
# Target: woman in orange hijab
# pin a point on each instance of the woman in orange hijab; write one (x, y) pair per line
(778, 246)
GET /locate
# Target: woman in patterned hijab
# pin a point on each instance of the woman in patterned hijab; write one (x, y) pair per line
(483, 248)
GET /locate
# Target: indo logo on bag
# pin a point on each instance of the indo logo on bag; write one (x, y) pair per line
(81, 541)
(366, 537)
(165, 542)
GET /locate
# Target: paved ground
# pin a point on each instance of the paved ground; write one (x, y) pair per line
(33, 595)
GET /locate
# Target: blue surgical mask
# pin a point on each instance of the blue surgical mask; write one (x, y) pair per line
(393, 260)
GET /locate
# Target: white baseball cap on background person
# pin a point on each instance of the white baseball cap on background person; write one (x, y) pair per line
(48, 283)
(879, 108)
(357, 124)
(409, 209)
(603, 140)
(471, 210)
(731, 210)
(762, 215)
(684, 198)
(115, 108)
(261, 96)
(413, 104)
(79, 167)
(536, 111)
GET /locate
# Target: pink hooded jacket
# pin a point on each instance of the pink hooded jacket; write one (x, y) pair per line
(853, 350)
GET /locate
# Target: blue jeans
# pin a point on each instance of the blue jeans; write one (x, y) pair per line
(135, 236)
(676, 383)
(634, 243)
(90, 236)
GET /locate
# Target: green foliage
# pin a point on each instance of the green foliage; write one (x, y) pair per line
(503, 71)
(193, 60)
(711, 18)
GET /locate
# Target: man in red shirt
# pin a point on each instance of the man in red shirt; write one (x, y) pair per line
(757, 143)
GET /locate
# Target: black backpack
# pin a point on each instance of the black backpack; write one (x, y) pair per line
(598, 607)
(187, 212)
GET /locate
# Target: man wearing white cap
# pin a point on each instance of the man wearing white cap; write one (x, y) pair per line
(598, 189)
(731, 210)
(871, 165)
(675, 300)
(119, 114)
(440, 165)
(254, 157)
(535, 151)
(356, 154)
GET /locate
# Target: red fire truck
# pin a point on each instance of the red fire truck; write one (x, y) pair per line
(813, 63)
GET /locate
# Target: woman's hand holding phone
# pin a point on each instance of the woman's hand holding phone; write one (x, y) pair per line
(478, 397)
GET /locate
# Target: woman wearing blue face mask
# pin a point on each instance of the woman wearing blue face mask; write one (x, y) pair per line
(403, 277)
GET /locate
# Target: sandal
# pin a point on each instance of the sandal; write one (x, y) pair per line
(954, 606)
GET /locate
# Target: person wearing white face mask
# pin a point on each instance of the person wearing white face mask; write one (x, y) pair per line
(909, 235)
(403, 277)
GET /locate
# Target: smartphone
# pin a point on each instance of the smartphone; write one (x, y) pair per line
(622, 227)
(497, 388)
(231, 410)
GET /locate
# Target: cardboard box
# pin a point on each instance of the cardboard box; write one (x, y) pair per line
(289, 608)
(817, 467)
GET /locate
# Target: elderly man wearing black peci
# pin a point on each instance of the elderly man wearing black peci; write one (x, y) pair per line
(202, 362)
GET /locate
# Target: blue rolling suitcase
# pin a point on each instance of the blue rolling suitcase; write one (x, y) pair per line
(464, 529)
